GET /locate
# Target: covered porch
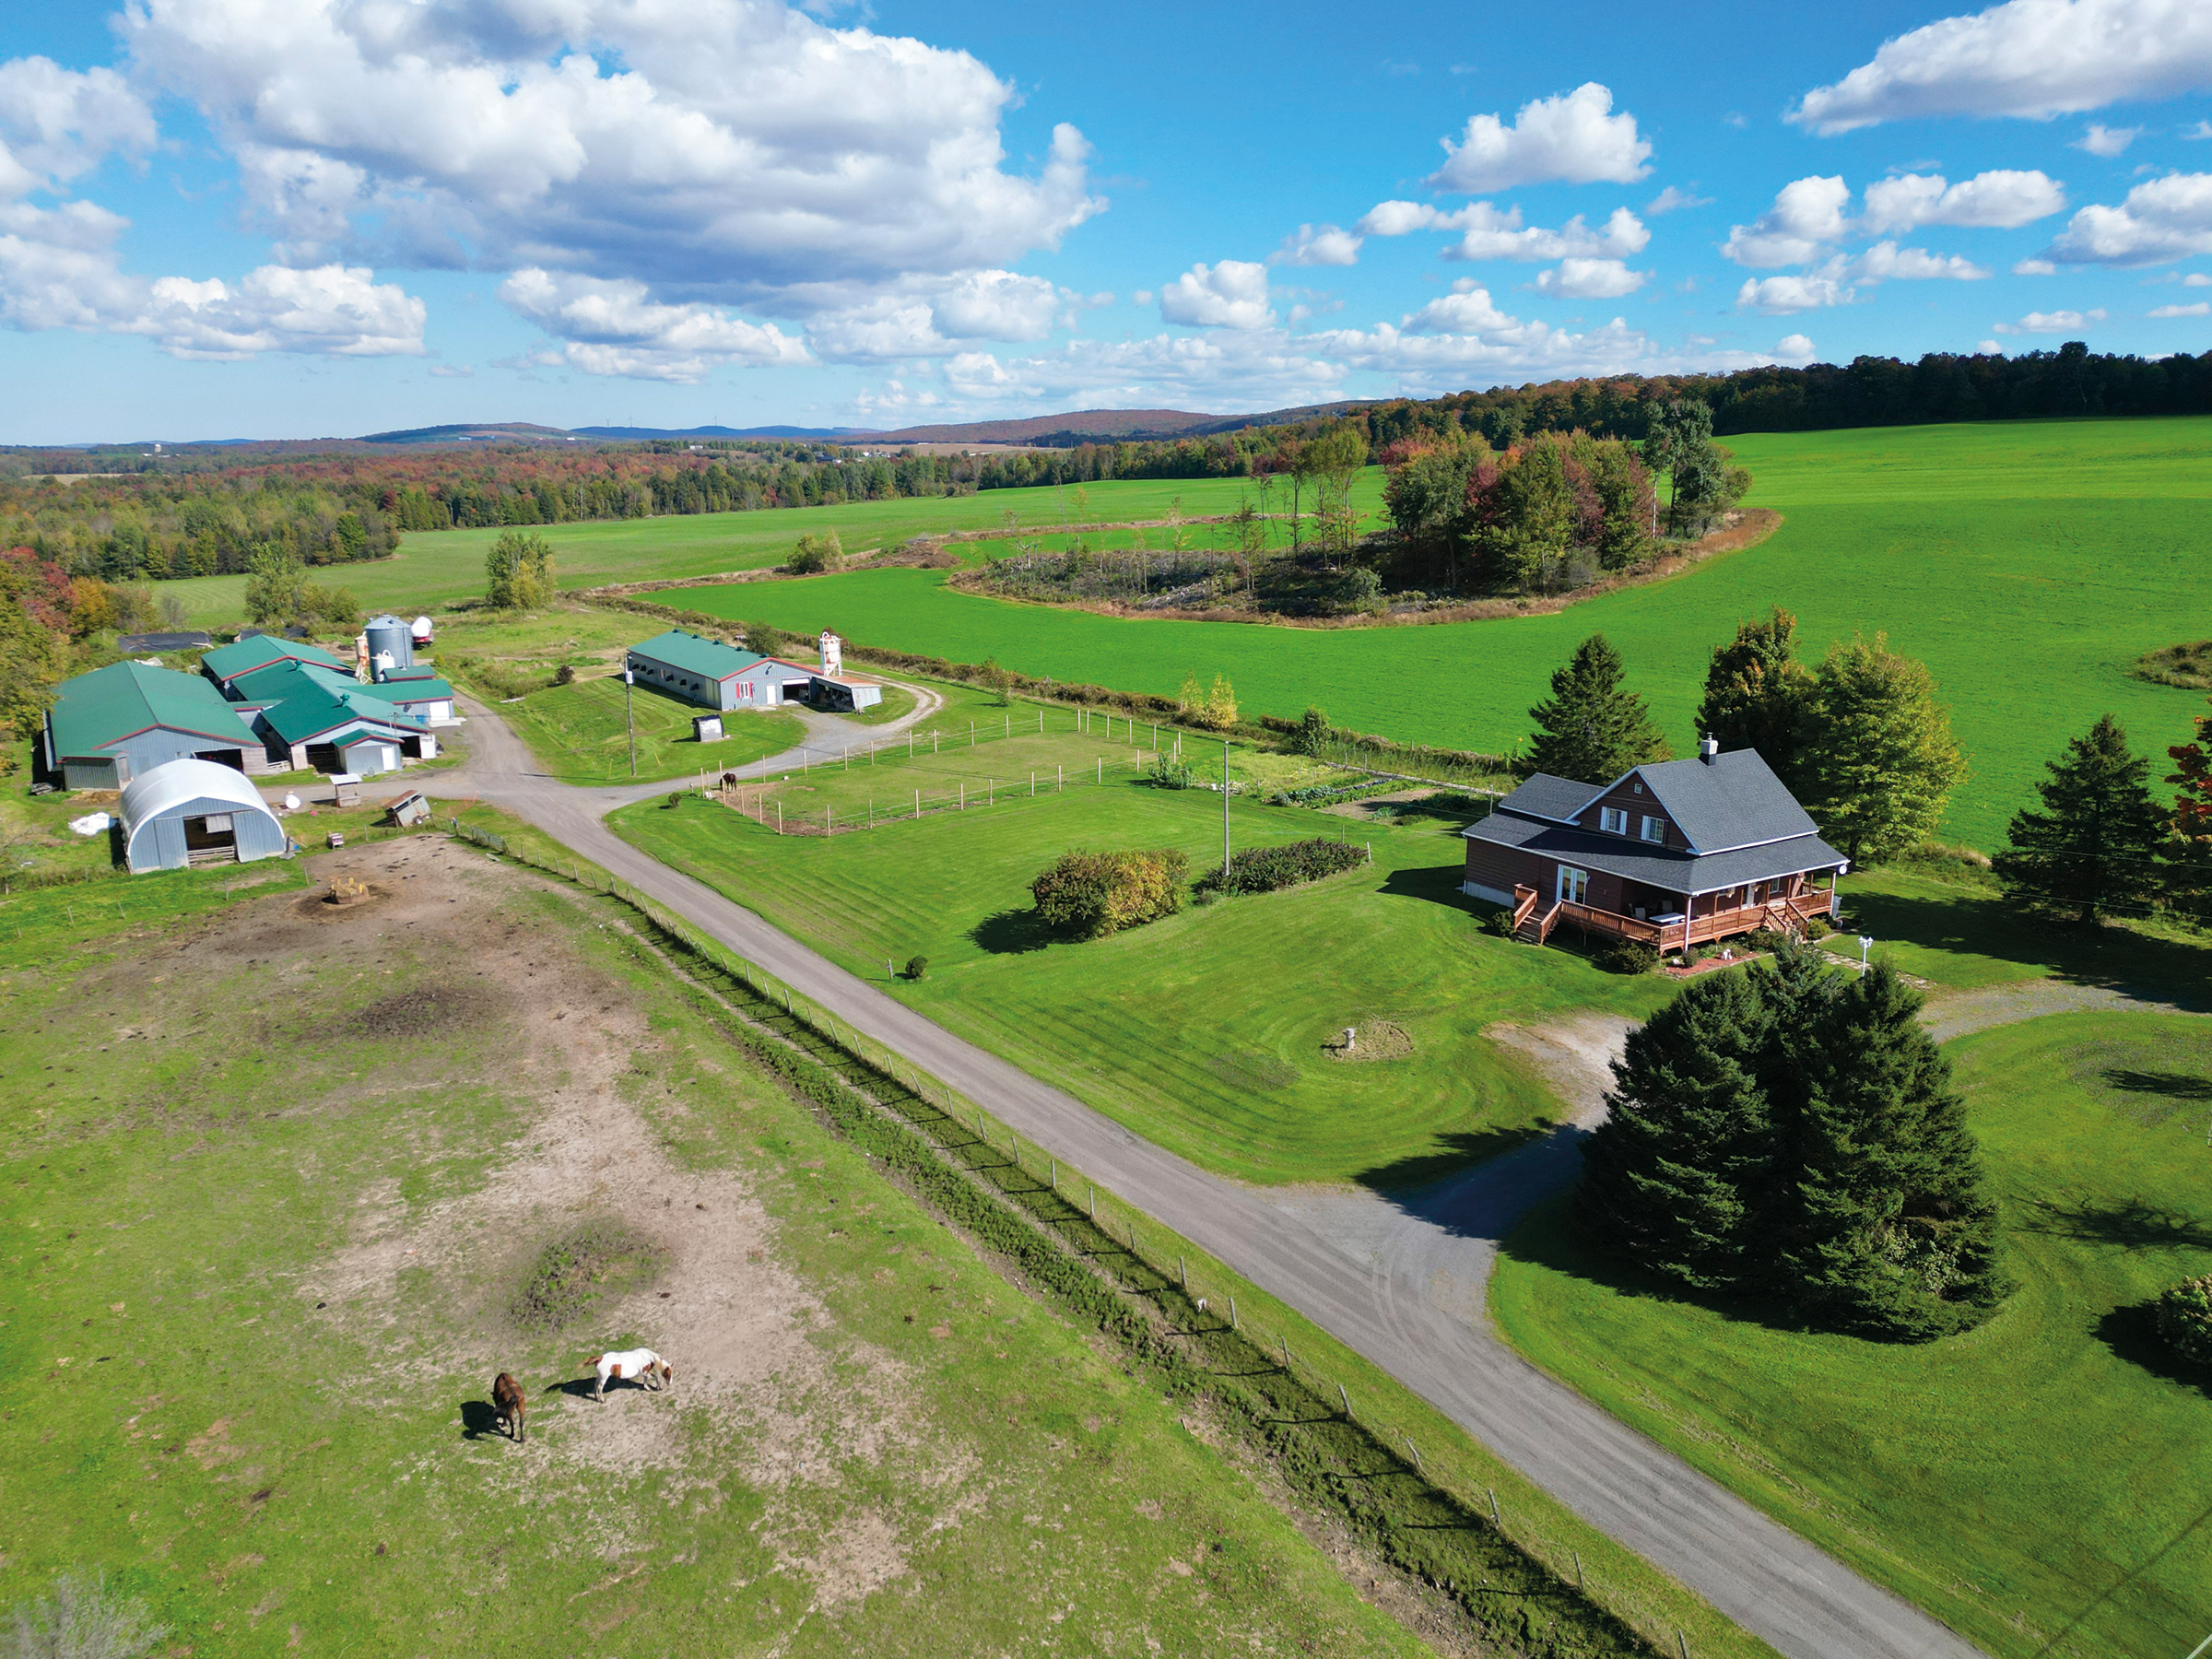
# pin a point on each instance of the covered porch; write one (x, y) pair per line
(1785, 905)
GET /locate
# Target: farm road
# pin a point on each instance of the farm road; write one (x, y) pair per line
(1399, 1278)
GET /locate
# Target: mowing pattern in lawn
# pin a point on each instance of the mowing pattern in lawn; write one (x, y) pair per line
(580, 733)
(276, 1183)
(1207, 1032)
(2028, 564)
(2039, 1483)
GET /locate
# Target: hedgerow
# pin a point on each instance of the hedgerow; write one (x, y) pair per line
(1269, 869)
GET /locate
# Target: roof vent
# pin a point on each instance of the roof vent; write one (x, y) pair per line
(1709, 750)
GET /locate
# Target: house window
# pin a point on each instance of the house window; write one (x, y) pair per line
(1613, 820)
(1654, 829)
(1573, 885)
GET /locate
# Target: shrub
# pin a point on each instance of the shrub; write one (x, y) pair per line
(518, 572)
(565, 675)
(1268, 869)
(1628, 955)
(2186, 1318)
(1501, 922)
(1168, 773)
(816, 553)
(1093, 894)
(916, 967)
(577, 1270)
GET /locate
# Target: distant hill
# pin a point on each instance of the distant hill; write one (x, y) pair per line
(494, 431)
(826, 435)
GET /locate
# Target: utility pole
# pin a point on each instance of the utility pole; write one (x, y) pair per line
(1225, 815)
(629, 715)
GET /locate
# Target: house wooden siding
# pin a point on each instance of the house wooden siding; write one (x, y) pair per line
(1629, 797)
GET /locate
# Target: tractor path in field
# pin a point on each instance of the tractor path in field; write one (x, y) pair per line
(1399, 1278)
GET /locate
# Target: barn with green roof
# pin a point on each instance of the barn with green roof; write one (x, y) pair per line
(119, 722)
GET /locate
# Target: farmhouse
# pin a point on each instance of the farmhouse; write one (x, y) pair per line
(114, 724)
(1670, 855)
(196, 812)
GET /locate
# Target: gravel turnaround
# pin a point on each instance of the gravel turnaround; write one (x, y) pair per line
(1400, 1277)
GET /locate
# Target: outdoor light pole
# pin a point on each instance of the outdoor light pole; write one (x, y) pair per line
(1865, 946)
(629, 716)
(1225, 815)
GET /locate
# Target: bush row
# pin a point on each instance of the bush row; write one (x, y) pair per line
(1269, 869)
(1093, 894)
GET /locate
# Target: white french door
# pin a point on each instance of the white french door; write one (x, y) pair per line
(1573, 885)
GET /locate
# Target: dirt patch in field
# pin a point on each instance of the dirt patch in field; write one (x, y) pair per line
(426, 1011)
(1574, 1055)
(1371, 1037)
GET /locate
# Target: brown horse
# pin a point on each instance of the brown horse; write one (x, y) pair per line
(508, 1407)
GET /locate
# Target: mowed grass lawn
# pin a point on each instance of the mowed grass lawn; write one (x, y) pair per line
(1203, 1032)
(272, 1185)
(2028, 563)
(436, 568)
(580, 733)
(2043, 1484)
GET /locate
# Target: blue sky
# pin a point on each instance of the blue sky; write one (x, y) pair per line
(286, 218)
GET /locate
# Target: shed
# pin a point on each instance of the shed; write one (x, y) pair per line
(703, 671)
(196, 812)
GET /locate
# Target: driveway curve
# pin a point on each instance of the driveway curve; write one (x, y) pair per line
(1400, 1278)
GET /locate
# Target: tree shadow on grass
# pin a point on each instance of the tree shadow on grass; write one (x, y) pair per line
(2132, 1334)
(1551, 1236)
(1012, 933)
(1439, 883)
(1987, 924)
(2133, 1224)
(2173, 1086)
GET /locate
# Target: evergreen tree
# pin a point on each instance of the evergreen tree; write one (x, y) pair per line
(1878, 762)
(1889, 1233)
(1756, 693)
(2189, 852)
(1592, 728)
(1673, 1178)
(2091, 847)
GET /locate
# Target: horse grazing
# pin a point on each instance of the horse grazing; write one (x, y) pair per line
(508, 1407)
(641, 1366)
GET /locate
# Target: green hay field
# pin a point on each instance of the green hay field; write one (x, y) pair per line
(2039, 1483)
(1203, 1032)
(2028, 563)
(436, 568)
(268, 1202)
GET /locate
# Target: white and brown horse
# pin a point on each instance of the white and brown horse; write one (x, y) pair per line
(641, 1366)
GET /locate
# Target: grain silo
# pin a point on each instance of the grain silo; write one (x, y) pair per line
(390, 645)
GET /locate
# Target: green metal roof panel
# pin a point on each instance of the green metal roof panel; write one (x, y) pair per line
(228, 661)
(710, 659)
(428, 688)
(109, 704)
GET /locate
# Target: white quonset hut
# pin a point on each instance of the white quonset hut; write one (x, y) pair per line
(195, 812)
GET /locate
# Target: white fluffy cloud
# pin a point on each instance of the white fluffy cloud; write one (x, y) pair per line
(2202, 307)
(2057, 321)
(996, 305)
(333, 311)
(1887, 262)
(615, 328)
(1671, 200)
(2034, 58)
(1795, 348)
(1232, 294)
(1468, 309)
(2107, 141)
(2001, 199)
(1591, 279)
(2162, 219)
(724, 150)
(1489, 233)
(1784, 296)
(1317, 245)
(1574, 138)
(1807, 216)
(56, 123)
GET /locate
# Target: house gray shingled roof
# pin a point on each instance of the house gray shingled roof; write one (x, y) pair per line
(1636, 861)
(1546, 796)
(1733, 800)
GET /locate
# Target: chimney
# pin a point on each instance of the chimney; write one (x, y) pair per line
(1709, 750)
(833, 653)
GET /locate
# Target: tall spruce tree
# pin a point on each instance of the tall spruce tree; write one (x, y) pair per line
(1774, 1131)
(2189, 853)
(1592, 728)
(2091, 847)
(1889, 1233)
(1757, 692)
(1673, 1178)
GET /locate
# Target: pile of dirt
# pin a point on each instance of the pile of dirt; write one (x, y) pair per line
(1375, 1038)
(424, 1011)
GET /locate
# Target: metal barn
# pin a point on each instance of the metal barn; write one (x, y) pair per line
(196, 812)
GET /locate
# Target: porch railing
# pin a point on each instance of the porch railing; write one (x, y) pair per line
(1666, 937)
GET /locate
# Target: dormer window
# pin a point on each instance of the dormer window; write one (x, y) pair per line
(1613, 820)
(1655, 829)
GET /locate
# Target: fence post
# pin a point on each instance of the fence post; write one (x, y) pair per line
(1233, 1313)
(1345, 1398)
(1182, 1272)
(1286, 1342)
(1495, 1519)
(1094, 1201)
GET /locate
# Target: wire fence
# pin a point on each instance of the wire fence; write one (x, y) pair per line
(1523, 1579)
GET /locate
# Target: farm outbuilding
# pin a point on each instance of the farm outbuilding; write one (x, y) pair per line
(196, 812)
(705, 671)
(121, 722)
